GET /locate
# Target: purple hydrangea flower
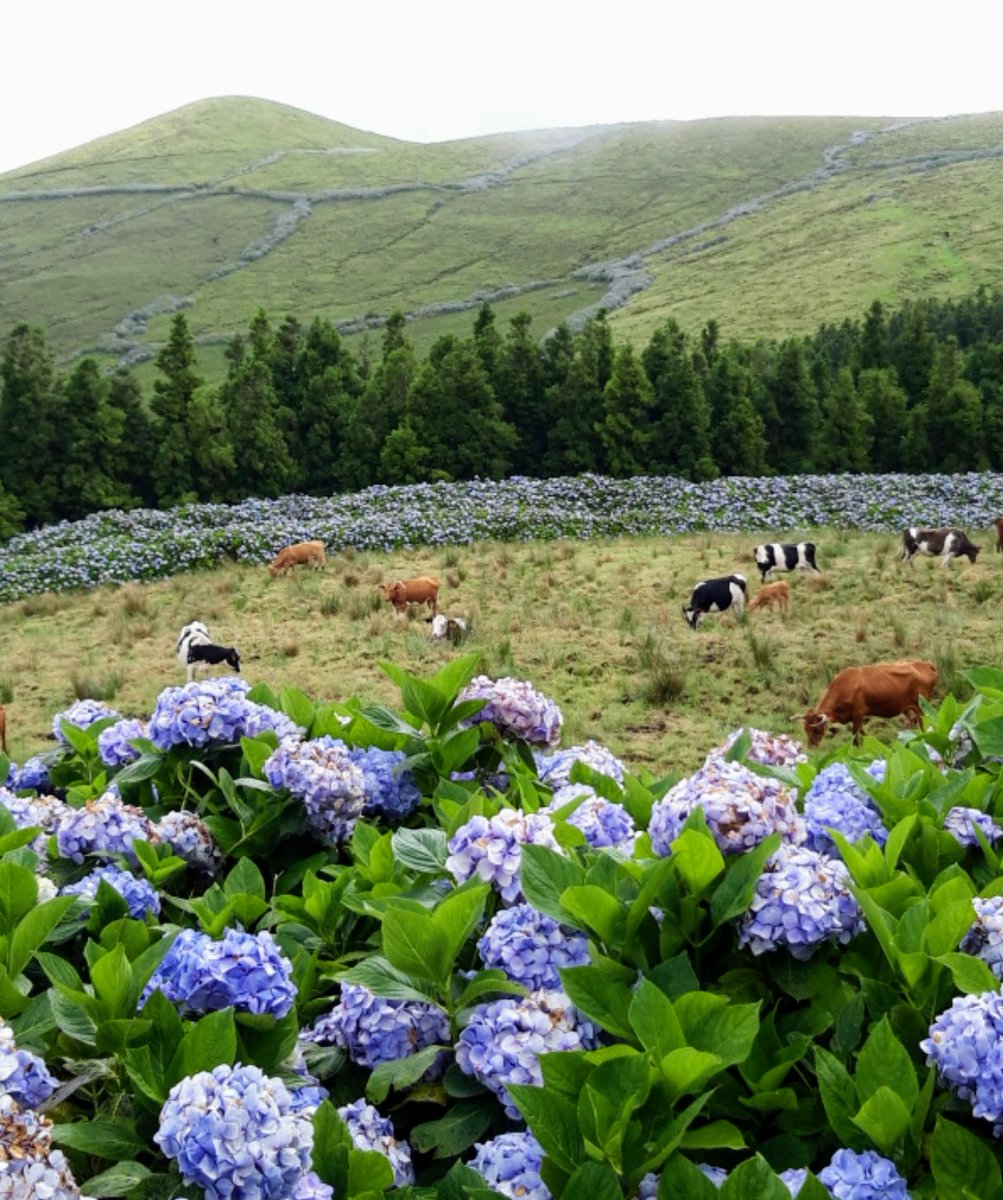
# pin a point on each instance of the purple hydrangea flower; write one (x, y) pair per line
(200, 714)
(985, 938)
(374, 1029)
(33, 776)
(647, 1189)
(83, 713)
(23, 1075)
(717, 1175)
(864, 1175)
(189, 838)
(802, 899)
(311, 1187)
(260, 718)
(104, 826)
(962, 822)
(767, 749)
(491, 848)
(243, 970)
(511, 1165)
(836, 801)
(322, 774)
(515, 708)
(30, 1166)
(233, 1133)
(603, 822)
(794, 1178)
(370, 1131)
(555, 769)
(877, 769)
(741, 808)
(390, 790)
(28, 811)
(113, 743)
(531, 947)
(965, 1045)
(139, 894)
(503, 1040)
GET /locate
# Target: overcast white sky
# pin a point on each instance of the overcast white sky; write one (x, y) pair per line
(73, 70)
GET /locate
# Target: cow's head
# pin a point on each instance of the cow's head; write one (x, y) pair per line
(973, 553)
(692, 615)
(814, 725)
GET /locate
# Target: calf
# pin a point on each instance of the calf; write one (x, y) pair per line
(772, 593)
(886, 689)
(403, 592)
(296, 555)
(949, 542)
(194, 648)
(785, 556)
(715, 595)
(999, 533)
(453, 629)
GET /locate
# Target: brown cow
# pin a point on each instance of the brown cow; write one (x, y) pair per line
(772, 593)
(297, 555)
(403, 592)
(949, 542)
(885, 689)
(999, 534)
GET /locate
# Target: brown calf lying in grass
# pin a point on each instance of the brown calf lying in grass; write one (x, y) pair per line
(772, 593)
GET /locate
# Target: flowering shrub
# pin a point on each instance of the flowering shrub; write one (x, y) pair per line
(373, 1029)
(113, 742)
(602, 821)
(531, 947)
(491, 848)
(516, 709)
(142, 898)
(555, 769)
(511, 1165)
(81, 714)
(836, 801)
(370, 1131)
(104, 826)
(322, 774)
(201, 713)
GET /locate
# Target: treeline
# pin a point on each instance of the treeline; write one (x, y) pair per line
(918, 389)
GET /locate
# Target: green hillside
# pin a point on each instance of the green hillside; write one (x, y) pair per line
(771, 225)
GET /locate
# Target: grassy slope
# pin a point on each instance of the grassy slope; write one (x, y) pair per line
(566, 198)
(575, 618)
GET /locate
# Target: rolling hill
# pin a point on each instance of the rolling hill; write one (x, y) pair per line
(769, 225)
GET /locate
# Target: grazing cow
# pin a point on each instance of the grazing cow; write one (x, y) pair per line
(715, 595)
(297, 555)
(195, 648)
(885, 689)
(949, 542)
(3, 729)
(785, 556)
(412, 591)
(772, 593)
(453, 629)
(999, 534)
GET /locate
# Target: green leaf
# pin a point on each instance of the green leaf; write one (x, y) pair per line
(686, 1069)
(423, 850)
(33, 929)
(117, 1181)
(734, 894)
(369, 1173)
(593, 1181)
(961, 1160)
(484, 983)
(715, 1135)
(595, 909)
(839, 1098)
(383, 979)
(545, 874)
(116, 1140)
(245, 880)
(212, 1040)
(883, 1060)
(753, 1180)
(970, 974)
(416, 945)
(400, 1073)
(697, 859)
(682, 1180)
(454, 1132)
(654, 1020)
(111, 976)
(603, 999)
(18, 894)
(144, 767)
(73, 1018)
(297, 705)
(553, 1120)
(884, 1118)
(458, 914)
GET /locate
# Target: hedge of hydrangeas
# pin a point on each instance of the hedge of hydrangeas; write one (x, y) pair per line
(144, 544)
(258, 947)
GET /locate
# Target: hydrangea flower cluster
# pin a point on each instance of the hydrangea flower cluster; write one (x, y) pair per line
(233, 1133)
(802, 899)
(767, 749)
(32, 776)
(373, 1029)
(113, 743)
(260, 718)
(491, 848)
(503, 1040)
(200, 714)
(391, 791)
(23, 1075)
(370, 1131)
(140, 895)
(28, 811)
(741, 808)
(555, 769)
(863, 1175)
(962, 822)
(966, 1047)
(83, 713)
(515, 708)
(717, 1175)
(836, 801)
(877, 769)
(189, 838)
(985, 938)
(603, 822)
(311, 1187)
(531, 947)
(322, 774)
(245, 970)
(794, 1179)
(104, 826)
(511, 1165)
(31, 1168)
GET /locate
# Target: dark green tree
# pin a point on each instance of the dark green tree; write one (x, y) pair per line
(255, 422)
(93, 430)
(912, 350)
(403, 459)
(736, 430)
(574, 404)
(31, 426)
(954, 416)
(888, 406)
(488, 341)
(793, 397)
(11, 515)
(845, 441)
(174, 467)
(215, 458)
(329, 387)
(625, 430)
(681, 436)
(523, 396)
(134, 464)
(380, 407)
(875, 350)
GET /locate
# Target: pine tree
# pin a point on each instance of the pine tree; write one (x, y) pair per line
(379, 409)
(174, 468)
(912, 351)
(215, 457)
(887, 404)
(574, 405)
(625, 430)
(93, 430)
(845, 441)
(875, 352)
(737, 437)
(329, 388)
(681, 437)
(522, 395)
(31, 425)
(134, 465)
(954, 416)
(264, 466)
(796, 408)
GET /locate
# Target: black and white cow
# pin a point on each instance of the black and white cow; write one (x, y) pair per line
(195, 648)
(785, 556)
(715, 595)
(949, 542)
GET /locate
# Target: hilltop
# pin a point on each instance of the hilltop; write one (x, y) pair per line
(769, 225)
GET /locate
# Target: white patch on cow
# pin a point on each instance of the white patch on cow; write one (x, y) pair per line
(737, 596)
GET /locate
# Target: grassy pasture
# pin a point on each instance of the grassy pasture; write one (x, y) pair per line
(595, 625)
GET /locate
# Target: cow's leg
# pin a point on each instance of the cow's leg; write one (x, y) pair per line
(945, 560)
(191, 671)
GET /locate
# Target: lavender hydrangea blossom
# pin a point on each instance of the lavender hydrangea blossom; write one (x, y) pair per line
(200, 714)
(794, 1179)
(531, 947)
(31, 776)
(604, 823)
(863, 1175)
(767, 749)
(717, 1175)
(985, 938)
(23, 1075)
(259, 718)
(189, 838)
(390, 790)
(104, 826)
(45, 812)
(802, 899)
(233, 1133)
(503, 1040)
(311, 1187)
(113, 743)
(836, 801)
(491, 848)
(511, 1165)
(322, 774)
(371, 1131)
(962, 822)
(82, 714)
(515, 708)
(140, 895)
(965, 1045)
(555, 769)
(373, 1029)
(31, 1168)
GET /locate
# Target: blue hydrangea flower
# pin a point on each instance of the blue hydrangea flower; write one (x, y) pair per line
(202, 713)
(767, 749)
(311, 1187)
(35, 1169)
(113, 743)
(503, 1040)
(962, 822)
(877, 769)
(233, 1133)
(515, 708)
(189, 838)
(139, 894)
(717, 1175)
(28, 811)
(511, 1165)
(322, 774)
(491, 848)
(863, 1175)
(985, 938)
(647, 1189)
(836, 801)
(603, 822)
(83, 713)
(531, 947)
(390, 790)
(259, 718)
(23, 1075)
(104, 826)
(243, 970)
(373, 1029)
(962, 1041)
(794, 1178)
(33, 776)
(370, 1131)
(741, 809)
(802, 899)
(555, 769)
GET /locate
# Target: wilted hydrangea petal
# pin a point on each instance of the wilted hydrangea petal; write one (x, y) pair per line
(767, 749)
(32, 1168)
(189, 838)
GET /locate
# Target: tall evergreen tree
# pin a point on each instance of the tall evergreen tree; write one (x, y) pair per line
(488, 342)
(875, 351)
(845, 441)
(912, 350)
(174, 467)
(625, 430)
(681, 439)
(887, 405)
(329, 387)
(213, 446)
(134, 466)
(522, 395)
(93, 430)
(31, 425)
(574, 404)
(254, 421)
(736, 429)
(954, 414)
(380, 408)
(796, 407)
